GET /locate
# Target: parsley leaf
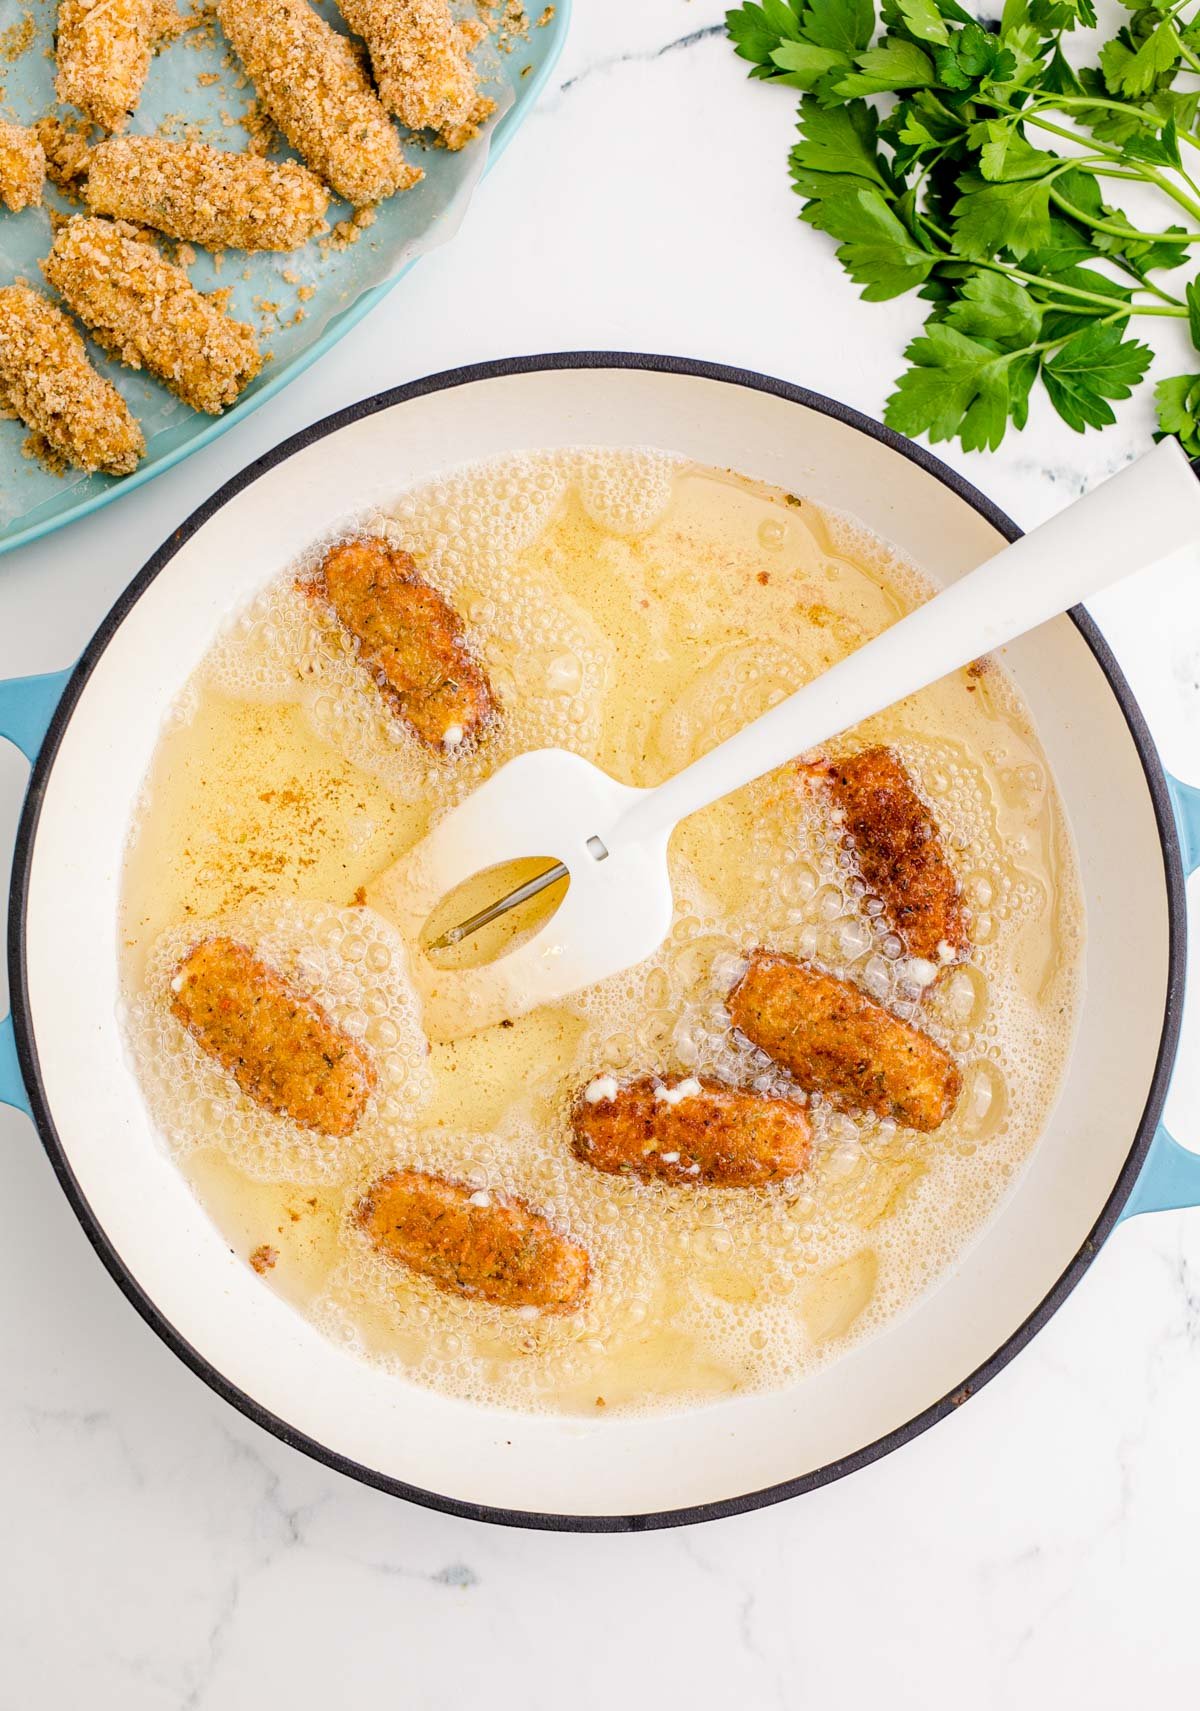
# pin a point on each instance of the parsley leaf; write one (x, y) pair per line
(1092, 367)
(993, 217)
(1178, 401)
(993, 307)
(1131, 69)
(928, 151)
(899, 64)
(1192, 294)
(756, 33)
(837, 148)
(877, 251)
(957, 386)
(846, 25)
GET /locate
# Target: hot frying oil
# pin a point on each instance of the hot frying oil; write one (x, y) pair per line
(637, 610)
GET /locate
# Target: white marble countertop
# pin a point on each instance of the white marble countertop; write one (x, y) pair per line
(1037, 1548)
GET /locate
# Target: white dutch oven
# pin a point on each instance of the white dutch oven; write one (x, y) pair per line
(1102, 1155)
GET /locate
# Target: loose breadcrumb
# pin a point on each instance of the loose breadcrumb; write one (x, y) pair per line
(22, 168)
(149, 315)
(419, 55)
(455, 137)
(16, 39)
(310, 81)
(104, 52)
(205, 195)
(261, 131)
(348, 232)
(47, 380)
(65, 145)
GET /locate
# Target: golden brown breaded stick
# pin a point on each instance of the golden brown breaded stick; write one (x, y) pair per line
(487, 1246)
(409, 639)
(22, 168)
(104, 48)
(149, 314)
(45, 376)
(899, 851)
(690, 1131)
(278, 1044)
(834, 1040)
(205, 195)
(422, 67)
(310, 81)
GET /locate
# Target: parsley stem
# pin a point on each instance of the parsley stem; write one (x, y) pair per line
(1118, 230)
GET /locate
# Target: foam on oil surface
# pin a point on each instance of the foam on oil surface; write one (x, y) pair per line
(638, 610)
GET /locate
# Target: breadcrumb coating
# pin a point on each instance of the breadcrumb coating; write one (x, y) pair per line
(310, 81)
(898, 847)
(206, 195)
(65, 145)
(488, 1247)
(409, 638)
(691, 1131)
(278, 1044)
(422, 66)
(104, 49)
(47, 379)
(835, 1040)
(22, 168)
(149, 315)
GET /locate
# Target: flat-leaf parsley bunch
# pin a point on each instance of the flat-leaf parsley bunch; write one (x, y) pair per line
(953, 186)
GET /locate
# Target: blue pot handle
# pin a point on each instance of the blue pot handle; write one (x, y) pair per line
(26, 708)
(1170, 1177)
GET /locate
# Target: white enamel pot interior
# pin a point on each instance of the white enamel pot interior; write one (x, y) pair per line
(240, 1337)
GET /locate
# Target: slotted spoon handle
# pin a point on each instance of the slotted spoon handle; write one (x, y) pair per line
(1146, 513)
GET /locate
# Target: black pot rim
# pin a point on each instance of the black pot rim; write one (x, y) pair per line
(199, 1364)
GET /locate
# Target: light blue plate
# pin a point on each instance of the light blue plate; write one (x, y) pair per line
(339, 286)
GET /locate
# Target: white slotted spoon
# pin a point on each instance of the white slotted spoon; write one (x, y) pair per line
(613, 838)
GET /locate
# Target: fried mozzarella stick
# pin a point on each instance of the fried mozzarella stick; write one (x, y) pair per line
(22, 168)
(206, 195)
(46, 378)
(283, 1050)
(691, 1131)
(409, 638)
(104, 49)
(422, 67)
(899, 851)
(486, 1246)
(148, 314)
(310, 81)
(835, 1040)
